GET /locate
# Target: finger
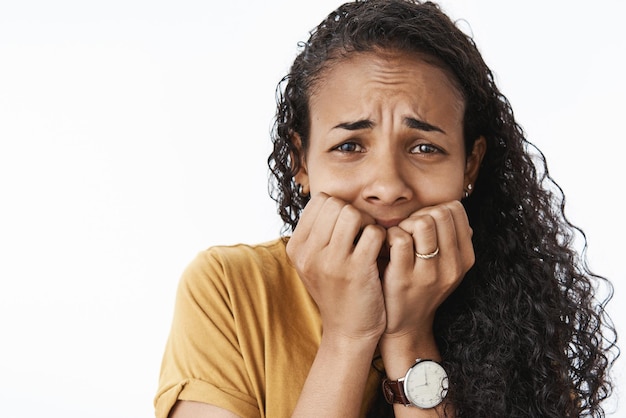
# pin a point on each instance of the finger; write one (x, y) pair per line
(308, 218)
(324, 224)
(401, 248)
(423, 229)
(371, 240)
(445, 229)
(454, 234)
(348, 228)
(463, 232)
(461, 222)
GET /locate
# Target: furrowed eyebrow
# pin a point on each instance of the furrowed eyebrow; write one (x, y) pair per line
(355, 126)
(410, 122)
(421, 125)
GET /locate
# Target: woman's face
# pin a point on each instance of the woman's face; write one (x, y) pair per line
(387, 136)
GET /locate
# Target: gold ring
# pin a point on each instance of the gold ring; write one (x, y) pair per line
(427, 256)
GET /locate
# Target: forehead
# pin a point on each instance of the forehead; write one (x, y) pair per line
(342, 58)
(360, 78)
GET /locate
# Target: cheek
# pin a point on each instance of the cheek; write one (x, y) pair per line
(341, 185)
(431, 197)
(439, 189)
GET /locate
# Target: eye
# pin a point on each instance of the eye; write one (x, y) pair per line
(349, 147)
(425, 149)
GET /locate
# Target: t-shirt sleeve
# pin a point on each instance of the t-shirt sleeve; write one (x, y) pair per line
(203, 360)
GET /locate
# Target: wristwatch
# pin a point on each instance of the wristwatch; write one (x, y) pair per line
(425, 385)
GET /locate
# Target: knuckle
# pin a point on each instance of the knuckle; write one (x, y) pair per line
(373, 231)
(334, 202)
(455, 205)
(442, 213)
(423, 223)
(349, 212)
(404, 240)
(471, 259)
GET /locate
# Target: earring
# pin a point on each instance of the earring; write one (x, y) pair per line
(467, 191)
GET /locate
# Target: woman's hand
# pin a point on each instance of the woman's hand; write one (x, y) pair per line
(334, 248)
(415, 287)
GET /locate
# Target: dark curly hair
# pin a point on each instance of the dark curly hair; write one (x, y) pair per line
(524, 335)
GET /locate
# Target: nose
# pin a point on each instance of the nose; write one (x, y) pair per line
(386, 182)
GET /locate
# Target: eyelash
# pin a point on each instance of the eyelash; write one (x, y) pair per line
(352, 144)
(433, 149)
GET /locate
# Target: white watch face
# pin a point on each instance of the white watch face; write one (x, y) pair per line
(426, 384)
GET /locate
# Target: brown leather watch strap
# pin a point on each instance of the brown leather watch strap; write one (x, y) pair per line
(394, 392)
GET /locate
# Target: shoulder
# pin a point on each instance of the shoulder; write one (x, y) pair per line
(228, 267)
(274, 250)
(245, 257)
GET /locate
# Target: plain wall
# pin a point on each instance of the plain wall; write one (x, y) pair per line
(134, 134)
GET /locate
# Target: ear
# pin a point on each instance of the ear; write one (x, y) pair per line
(302, 175)
(472, 164)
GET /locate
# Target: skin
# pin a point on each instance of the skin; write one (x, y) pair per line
(386, 168)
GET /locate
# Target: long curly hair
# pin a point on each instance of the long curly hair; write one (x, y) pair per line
(525, 334)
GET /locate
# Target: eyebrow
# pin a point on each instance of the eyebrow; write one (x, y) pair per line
(408, 121)
(421, 125)
(355, 126)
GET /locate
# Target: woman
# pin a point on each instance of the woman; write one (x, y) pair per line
(429, 262)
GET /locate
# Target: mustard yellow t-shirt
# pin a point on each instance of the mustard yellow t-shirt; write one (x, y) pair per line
(244, 334)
